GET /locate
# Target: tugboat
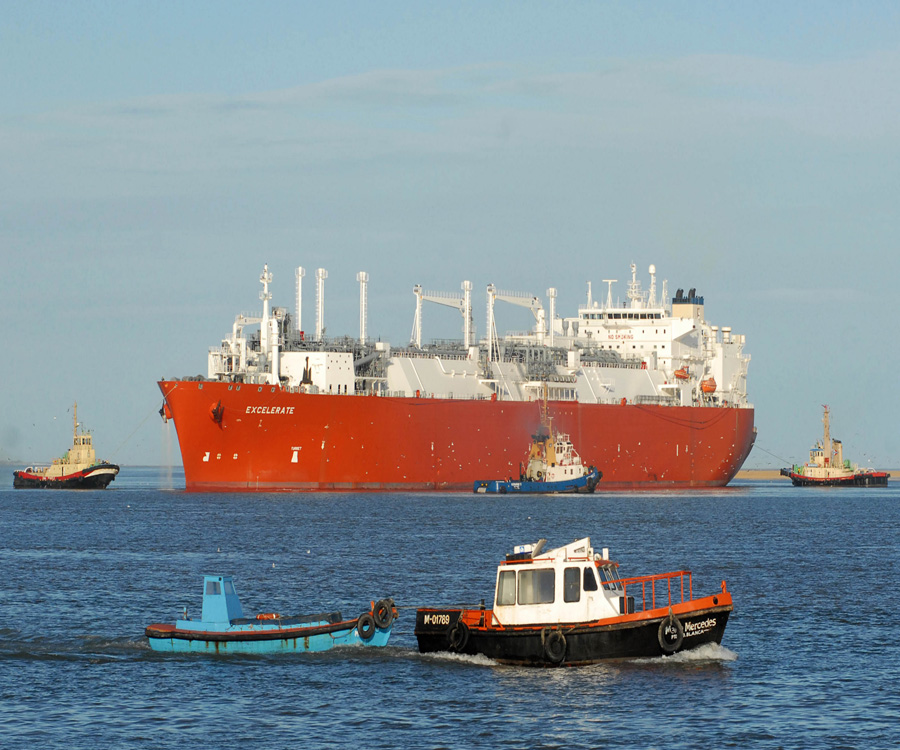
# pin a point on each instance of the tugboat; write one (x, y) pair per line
(828, 468)
(78, 469)
(552, 466)
(571, 606)
(223, 628)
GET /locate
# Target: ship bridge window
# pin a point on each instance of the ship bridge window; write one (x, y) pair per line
(506, 588)
(229, 587)
(537, 586)
(213, 587)
(590, 580)
(571, 585)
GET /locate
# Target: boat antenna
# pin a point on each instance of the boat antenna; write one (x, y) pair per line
(610, 282)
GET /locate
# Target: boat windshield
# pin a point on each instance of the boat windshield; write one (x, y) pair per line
(608, 573)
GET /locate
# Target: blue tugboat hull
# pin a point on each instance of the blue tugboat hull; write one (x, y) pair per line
(223, 628)
(585, 484)
(269, 641)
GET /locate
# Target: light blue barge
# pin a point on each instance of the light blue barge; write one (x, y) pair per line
(223, 628)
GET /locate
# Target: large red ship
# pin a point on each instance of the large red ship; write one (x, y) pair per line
(630, 383)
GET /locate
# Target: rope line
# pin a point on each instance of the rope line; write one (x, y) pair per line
(783, 460)
(153, 411)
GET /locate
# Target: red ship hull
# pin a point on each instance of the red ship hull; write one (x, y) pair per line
(240, 437)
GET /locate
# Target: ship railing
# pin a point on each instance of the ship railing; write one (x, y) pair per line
(661, 590)
(624, 365)
(656, 400)
(414, 354)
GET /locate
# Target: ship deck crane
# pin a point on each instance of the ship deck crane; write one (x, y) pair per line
(462, 302)
(523, 299)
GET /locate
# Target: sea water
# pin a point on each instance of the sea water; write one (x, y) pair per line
(810, 657)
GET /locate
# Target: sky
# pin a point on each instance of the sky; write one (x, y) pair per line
(154, 156)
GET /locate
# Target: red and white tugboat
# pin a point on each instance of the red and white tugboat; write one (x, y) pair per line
(571, 606)
(827, 466)
(78, 469)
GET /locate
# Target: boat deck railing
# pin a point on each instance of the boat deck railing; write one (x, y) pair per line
(661, 590)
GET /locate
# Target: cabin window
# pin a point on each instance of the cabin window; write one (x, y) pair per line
(608, 574)
(506, 588)
(229, 587)
(537, 586)
(213, 587)
(590, 580)
(572, 585)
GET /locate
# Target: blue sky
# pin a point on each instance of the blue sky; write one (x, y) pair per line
(154, 155)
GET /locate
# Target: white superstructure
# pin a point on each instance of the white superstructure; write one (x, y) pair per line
(645, 350)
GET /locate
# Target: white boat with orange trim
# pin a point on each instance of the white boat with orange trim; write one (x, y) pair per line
(571, 606)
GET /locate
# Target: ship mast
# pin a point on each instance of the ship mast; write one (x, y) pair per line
(75, 420)
(826, 445)
(265, 295)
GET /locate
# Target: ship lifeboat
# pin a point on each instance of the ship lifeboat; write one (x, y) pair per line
(708, 385)
(682, 374)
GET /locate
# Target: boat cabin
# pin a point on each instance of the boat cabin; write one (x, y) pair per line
(221, 605)
(568, 584)
(552, 458)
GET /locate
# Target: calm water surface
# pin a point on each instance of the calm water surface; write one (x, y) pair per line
(810, 656)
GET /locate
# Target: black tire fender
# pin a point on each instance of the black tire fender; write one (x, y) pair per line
(458, 636)
(383, 613)
(670, 634)
(365, 626)
(554, 645)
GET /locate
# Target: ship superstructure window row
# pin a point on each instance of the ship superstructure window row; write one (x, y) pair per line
(621, 316)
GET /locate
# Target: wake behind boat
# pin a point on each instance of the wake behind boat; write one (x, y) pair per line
(78, 469)
(571, 606)
(223, 628)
